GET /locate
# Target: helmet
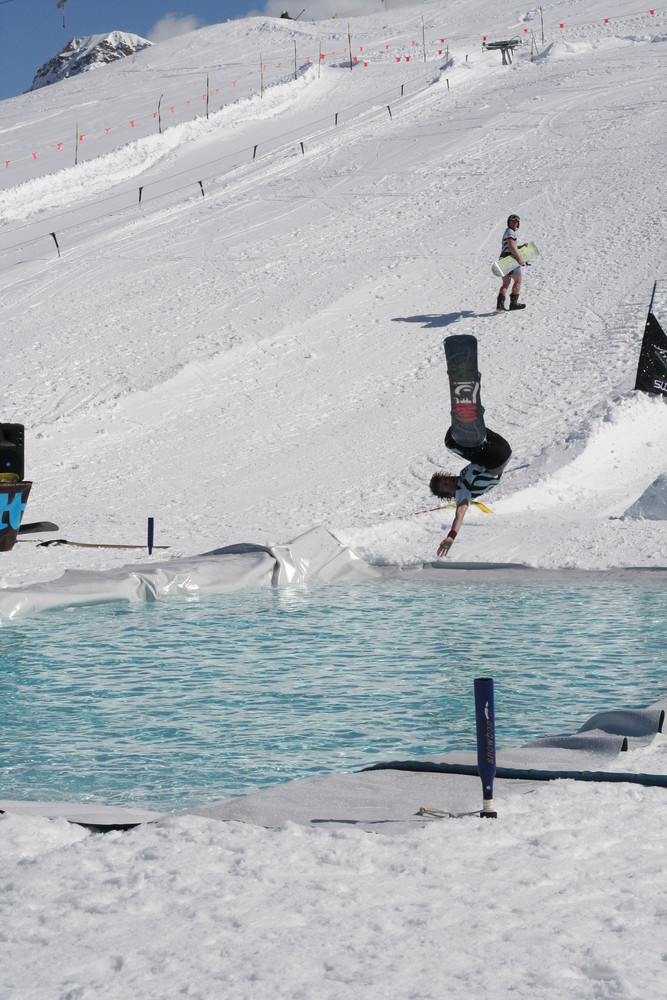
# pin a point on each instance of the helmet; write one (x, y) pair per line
(513, 218)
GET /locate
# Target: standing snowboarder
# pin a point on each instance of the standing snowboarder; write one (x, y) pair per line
(510, 248)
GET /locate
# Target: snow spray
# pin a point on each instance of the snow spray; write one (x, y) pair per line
(486, 742)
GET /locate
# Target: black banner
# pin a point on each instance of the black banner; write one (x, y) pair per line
(652, 368)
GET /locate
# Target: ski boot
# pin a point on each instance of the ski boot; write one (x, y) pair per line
(515, 304)
(500, 302)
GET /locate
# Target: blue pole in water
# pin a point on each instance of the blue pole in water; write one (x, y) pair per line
(151, 527)
(486, 741)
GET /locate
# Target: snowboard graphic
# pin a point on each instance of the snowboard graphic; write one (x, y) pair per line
(468, 427)
(504, 265)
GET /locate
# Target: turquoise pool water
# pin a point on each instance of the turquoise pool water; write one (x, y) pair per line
(190, 700)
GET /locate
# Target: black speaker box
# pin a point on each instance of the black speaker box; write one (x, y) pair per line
(11, 450)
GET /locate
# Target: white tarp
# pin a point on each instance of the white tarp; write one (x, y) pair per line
(314, 556)
(388, 800)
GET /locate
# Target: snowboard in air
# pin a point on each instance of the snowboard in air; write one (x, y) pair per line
(468, 428)
(504, 265)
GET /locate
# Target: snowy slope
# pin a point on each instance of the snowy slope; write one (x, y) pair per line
(268, 357)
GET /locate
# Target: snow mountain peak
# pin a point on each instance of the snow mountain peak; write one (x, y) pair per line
(89, 52)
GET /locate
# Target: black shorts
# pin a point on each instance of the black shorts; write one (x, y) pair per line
(493, 452)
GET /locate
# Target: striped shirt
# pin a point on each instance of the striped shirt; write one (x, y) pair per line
(473, 482)
(509, 234)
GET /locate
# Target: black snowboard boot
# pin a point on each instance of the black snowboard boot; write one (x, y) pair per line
(515, 304)
(500, 302)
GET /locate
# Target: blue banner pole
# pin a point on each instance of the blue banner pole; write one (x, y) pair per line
(151, 526)
(650, 308)
(486, 741)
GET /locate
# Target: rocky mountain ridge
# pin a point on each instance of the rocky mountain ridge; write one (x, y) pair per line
(90, 52)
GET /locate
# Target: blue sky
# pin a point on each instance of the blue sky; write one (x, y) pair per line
(31, 31)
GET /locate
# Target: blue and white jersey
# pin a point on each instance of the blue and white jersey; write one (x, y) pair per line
(509, 234)
(473, 482)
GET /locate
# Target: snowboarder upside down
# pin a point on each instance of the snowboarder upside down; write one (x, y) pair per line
(468, 437)
(487, 464)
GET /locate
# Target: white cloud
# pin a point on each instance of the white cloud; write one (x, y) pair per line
(172, 25)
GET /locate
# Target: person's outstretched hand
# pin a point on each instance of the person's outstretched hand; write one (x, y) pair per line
(445, 546)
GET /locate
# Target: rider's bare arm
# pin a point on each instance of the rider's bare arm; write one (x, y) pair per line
(446, 543)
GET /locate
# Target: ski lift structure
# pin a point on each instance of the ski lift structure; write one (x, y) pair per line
(507, 48)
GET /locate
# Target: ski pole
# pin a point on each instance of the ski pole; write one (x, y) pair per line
(428, 510)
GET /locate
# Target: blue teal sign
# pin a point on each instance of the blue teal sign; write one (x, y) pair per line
(14, 507)
(13, 501)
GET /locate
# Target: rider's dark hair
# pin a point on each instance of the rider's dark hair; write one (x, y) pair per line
(441, 485)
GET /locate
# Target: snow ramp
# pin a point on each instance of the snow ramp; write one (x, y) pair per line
(624, 453)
